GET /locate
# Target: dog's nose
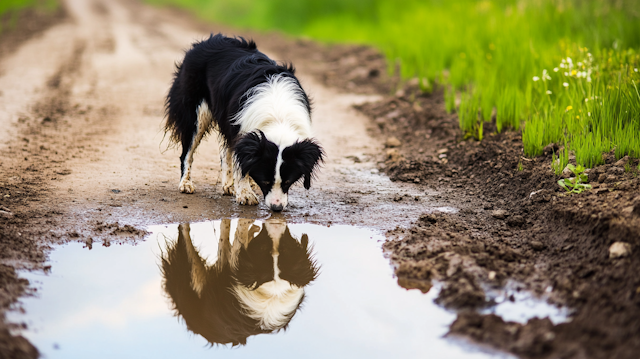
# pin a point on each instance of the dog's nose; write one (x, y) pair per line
(277, 207)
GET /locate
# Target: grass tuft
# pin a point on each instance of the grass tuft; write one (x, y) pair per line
(566, 69)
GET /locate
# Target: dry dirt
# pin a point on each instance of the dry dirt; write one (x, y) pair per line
(83, 158)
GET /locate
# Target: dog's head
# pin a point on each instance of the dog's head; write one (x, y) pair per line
(275, 169)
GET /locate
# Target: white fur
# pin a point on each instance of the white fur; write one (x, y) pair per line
(205, 119)
(276, 196)
(277, 108)
(272, 302)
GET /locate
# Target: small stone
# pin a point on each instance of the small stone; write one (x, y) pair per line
(622, 162)
(550, 148)
(537, 245)
(499, 214)
(566, 172)
(392, 142)
(615, 171)
(6, 214)
(516, 221)
(602, 177)
(542, 195)
(393, 154)
(619, 250)
(611, 178)
(492, 275)
(443, 150)
(627, 211)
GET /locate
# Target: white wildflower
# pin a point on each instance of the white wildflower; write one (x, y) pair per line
(555, 69)
(579, 63)
(589, 79)
(545, 75)
(562, 64)
(565, 84)
(589, 113)
(566, 74)
(636, 70)
(536, 78)
(569, 60)
(549, 92)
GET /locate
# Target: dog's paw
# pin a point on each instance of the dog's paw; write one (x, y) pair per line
(186, 186)
(247, 197)
(228, 189)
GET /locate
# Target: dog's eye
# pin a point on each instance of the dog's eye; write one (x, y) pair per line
(287, 182)
(266, 183)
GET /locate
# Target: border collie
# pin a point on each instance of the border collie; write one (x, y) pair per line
(259, 109)
(255, 286)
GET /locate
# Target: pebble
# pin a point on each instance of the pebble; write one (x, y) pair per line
(566, 172)
(537, 245)
(392, 142)
(516, 221)
(615, 171)
(6, 214)
(393, 154)
(619, 250)
(622, 162)
(499, 214)
(602, 177)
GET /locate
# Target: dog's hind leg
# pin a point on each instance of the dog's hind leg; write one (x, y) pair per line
(189, 146)
(226, 158)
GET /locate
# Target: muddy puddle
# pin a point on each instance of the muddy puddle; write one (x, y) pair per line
(188, 286)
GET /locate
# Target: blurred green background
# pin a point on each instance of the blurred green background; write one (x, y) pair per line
(562, 71)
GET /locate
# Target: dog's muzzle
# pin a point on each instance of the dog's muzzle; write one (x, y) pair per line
(277, 207)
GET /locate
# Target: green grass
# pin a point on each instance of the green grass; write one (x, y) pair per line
(559, 70)
(9, 9)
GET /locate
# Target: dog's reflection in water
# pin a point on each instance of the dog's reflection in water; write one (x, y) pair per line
(255, 286)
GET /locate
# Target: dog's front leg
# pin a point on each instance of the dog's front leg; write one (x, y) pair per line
(244, 192)
(226, 158)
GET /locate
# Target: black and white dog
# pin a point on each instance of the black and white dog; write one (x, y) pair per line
(261, 112)
(255, 286)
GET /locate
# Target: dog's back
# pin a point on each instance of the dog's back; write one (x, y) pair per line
(218, 70)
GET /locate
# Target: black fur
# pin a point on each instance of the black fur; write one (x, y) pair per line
(300, 160)
(216, 314)
(219, 70)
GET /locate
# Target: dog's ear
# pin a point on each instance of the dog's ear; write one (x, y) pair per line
(306, 155)
(249, 150)
(296, 261)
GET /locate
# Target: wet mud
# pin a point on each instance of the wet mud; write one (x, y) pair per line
(516, 223)
(84, 160)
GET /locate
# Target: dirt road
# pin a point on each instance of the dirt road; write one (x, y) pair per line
(96, 99)
(83, 158)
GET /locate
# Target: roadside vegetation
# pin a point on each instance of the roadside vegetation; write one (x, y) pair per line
(560, 71)
(9, 10)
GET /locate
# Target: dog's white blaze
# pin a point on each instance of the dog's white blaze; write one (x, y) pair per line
(276, 195)
(272, 303)
(277, 108)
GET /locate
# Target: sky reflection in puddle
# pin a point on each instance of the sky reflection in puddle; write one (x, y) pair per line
(112, 302)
